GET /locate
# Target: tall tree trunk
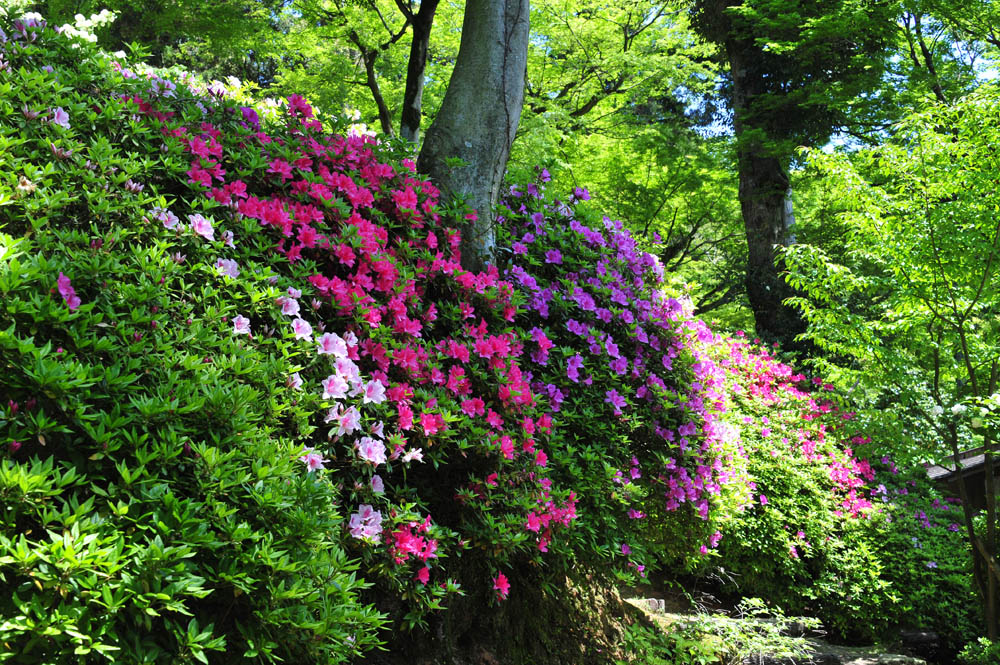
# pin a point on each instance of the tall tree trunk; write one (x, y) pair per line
(479, 117)
(413, 95)
(765, 201)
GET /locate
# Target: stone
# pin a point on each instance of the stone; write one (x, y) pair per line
(923, 643)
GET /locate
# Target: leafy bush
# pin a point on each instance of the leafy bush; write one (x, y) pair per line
(756, 633)
(155, 505)
(922, 534)
(620, 363)
(980, 652)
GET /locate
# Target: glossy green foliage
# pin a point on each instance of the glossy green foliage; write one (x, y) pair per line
(154, 509)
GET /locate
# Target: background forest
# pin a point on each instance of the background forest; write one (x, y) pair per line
(822, 175)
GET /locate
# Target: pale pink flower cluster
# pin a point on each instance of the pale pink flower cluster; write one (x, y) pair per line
(366, 523)
(202, 226)
(227, 267)
(348, 420)
(289, 306)
(167, 218)
(241, 325)
(371, 450)
(312, 460)
(60, 117)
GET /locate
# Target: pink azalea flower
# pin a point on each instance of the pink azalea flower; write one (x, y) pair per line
(501, 585)
(164, 216)
(312, 460)
(347, 369)
(378, 485)
(227, 238)
(423, 575)
(533, 524)
(241, 325)
(67, 291)
(294, 381)
(371, 450)
(289, 306)
(349, 421)
(202, 226)
(366, 523)
(227, 267)
(334, 387)
(60, 117)
(302, 329)
(763, 500)
(332, 344)
(374, 392)
(294, 292)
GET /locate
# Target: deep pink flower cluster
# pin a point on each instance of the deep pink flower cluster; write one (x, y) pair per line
(445, 366)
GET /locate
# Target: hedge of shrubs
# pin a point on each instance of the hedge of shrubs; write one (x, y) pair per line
(255, 408)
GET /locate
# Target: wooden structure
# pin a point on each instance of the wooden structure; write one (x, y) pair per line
(972, 466)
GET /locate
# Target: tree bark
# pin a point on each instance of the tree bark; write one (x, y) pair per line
(413, 95)
(765, 202)
(479, 117)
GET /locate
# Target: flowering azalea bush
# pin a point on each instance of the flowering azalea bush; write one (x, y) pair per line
(156, 503)
(219, 317)
(620, 362)
(254, 406)
(827, 532)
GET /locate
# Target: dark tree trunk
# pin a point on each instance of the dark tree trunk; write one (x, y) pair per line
(765, 201)
(479, 117)
(421, 23)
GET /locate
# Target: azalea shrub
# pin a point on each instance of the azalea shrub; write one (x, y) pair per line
(157, 506)
(255, 407)
(619, 360)
(829, 532)
(247, 345)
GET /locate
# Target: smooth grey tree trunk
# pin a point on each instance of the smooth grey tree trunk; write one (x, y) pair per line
(479, 116)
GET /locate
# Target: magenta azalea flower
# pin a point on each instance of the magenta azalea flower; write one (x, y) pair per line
(615, 400)
(67, 291)
(501, 585)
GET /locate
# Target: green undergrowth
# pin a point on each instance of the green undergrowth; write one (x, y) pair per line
(752, 631)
